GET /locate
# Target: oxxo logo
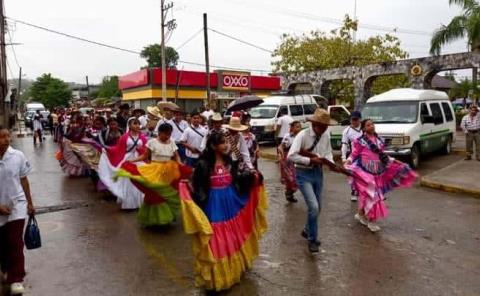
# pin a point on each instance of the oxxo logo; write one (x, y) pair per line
(236, 81)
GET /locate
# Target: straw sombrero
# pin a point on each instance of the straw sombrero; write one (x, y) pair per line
(321, 116)
(216, 117)
(235, 124)
(154, 111)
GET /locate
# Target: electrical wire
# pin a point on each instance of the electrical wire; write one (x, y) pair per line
(240, 40)
(13, 48)
(188, 40)
(73, 37)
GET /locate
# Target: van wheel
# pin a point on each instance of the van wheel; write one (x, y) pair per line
(447, 149)
(415, 157)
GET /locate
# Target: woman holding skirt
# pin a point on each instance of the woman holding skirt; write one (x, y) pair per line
(375, 174)
(226, 225)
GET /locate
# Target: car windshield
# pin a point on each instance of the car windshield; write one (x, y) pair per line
(264, 111)
(391, 112)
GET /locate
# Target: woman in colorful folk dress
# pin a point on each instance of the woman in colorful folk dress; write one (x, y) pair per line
(158, 179)
(375, 174)
(227, 226)
(287, 168)
(70, 162)
(130, 146)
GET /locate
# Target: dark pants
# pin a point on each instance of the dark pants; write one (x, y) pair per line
(12, 260)
(192, 162)
(37, 133)
(181, 152)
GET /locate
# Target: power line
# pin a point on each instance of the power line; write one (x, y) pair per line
(121, 49)
(188, 40)
(13, 47)
(240, 40)
(73, 37)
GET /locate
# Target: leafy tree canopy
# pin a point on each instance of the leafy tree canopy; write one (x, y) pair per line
(318, 50)
(153, 54)
(109, 88)
(50, 91)
(465, 89)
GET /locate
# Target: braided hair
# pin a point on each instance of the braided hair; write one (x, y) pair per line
(373, 146)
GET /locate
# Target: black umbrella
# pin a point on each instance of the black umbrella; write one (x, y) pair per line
(244, 103)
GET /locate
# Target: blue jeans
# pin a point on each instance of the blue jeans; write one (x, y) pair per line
(310, 183)
(181, 152)
(192, 162)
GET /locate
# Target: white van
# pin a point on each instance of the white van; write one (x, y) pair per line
(299, 107)
(413, 122)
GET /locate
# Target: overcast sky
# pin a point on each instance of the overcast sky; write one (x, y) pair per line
(134, 24)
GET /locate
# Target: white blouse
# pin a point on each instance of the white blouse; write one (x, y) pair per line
(161, 151)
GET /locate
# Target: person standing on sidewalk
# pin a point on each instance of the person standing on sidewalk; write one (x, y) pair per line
(312, 141)
(15, 204)
(471, 126)
(350, 135)
(282, 127)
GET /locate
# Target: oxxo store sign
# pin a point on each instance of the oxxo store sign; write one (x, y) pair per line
(233, 81)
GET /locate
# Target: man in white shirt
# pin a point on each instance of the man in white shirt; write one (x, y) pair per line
(15, 204)
(310, 148)
(37, 127)
(236, 145)
(179, 125)
(350, 135)
(471, 127)
(192, 140)
(216, 126)
(282, 126)
(208, 112)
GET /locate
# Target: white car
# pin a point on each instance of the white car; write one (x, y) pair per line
(413, 122)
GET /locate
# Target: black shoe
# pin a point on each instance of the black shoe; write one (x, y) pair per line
(313, 247)
(305, 236)
(291, 198)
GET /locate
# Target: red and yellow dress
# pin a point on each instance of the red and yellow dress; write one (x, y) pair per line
(158, 180)
(226, 231)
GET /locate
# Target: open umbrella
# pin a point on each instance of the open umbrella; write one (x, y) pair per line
(244, 103)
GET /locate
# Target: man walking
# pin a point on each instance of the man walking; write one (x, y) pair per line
(471, 126)
(350, 135)
(37, 128)
(282, 126)
(310, 148)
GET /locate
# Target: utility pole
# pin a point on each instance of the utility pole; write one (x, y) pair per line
(355, 19)
(4, 111)
(171, 25)
(207, 58)
(88, 87)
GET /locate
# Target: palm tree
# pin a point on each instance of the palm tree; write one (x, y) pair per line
(466, 25)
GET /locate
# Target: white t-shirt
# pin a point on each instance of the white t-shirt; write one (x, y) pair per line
(284, 123)
(161, 151)
(13, 166)
(207, 113)
(193, 136)
(177, 131)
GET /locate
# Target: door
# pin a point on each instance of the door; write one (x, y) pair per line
(436, 139)
(342, 116)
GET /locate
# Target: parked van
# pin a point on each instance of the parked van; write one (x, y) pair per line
(34, 107)
(299, 107)
(413, 122)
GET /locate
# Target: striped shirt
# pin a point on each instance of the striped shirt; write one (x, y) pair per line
(470, 123)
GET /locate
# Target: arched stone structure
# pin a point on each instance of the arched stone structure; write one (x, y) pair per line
(363, 76)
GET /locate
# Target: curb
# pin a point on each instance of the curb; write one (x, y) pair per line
(460, 152)
(272, 156)
(448, 187)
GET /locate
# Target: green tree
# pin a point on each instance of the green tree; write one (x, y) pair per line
(109, 88)
(464, 89)
(465, 25)
(318, 50)
(153, 54)
(50, 91)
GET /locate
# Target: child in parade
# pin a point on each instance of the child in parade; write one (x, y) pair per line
(227, 225)
(110, 136)
(378, 173)
(129, 147)
(158, 179)
(15, 204)
(192, 138)
(251, 142)
(287, 168)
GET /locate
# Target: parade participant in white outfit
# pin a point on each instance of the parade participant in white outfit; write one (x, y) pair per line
(37, 128)
(216, 125)
(282, 126)
(149, 121)
(235, 142)
(192, 139)
(349, 136)
(179, 125)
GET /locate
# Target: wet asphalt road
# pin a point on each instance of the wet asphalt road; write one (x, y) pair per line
(429, 245)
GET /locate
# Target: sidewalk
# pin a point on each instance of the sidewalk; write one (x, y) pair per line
(460, 177)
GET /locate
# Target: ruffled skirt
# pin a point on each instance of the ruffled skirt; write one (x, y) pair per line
(128, 195)
(287, 173)
(226, 234)
(159, 183)
(70, 162)
(372, 188)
